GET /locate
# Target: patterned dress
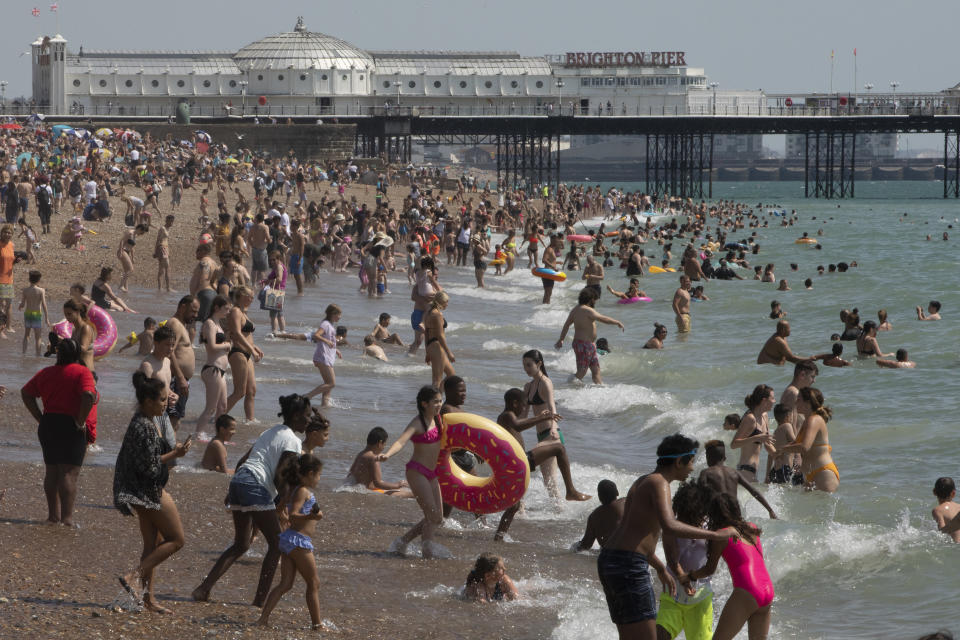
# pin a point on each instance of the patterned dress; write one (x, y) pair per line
(139, 476)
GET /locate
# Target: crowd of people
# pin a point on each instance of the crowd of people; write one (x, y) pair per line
(246, 252)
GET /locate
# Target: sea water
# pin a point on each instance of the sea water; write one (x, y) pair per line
(865, 562)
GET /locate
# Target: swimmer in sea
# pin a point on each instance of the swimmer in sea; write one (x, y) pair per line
(365, 469)
(945, 514)
(372, 349)
(813, 443)
(867, 345)
(722, 479)
(753, 434)
(681, 305)
(381, 331)
(659, 335)
(604, 519)
(776, 350)
(902, 362)
(833, 359)
(633, 291)
(752, 595)
(933, 311)
(584, 319)
(215, 455)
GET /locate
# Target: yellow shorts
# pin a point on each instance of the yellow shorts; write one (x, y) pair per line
(683, 323)
(695, 620)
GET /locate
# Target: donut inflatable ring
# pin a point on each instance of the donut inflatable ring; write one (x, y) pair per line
(549, 274)
(580, 237)
(103, 324)
(488, 440)
(634, 299)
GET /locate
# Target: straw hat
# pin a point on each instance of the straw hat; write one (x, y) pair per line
(339, 218)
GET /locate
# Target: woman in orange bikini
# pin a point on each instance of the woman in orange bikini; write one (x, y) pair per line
(424, 432)
(813, 443)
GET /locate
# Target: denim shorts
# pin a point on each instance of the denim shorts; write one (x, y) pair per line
(246, 494)
(625, 577)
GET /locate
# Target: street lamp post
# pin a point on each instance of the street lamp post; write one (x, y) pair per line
(3, 94)
(714, 85)
(560, 90)
(243, 100)
(893, 85)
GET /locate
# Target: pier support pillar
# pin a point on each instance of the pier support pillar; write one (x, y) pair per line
(677, 163)
(951, 164)
(830, 159)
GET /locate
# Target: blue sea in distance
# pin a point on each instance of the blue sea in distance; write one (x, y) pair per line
(865, 562)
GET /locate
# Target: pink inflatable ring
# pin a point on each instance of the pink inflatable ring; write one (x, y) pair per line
(500, 450)
(103, 324)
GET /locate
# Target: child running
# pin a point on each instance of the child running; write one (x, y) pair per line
(295, 541)
(752, 588)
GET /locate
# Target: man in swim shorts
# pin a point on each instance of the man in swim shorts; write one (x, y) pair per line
(593, 274)
(259, 239)
(681, 305)
(623, 563)
(584, 319)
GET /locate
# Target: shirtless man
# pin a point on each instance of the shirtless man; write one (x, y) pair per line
(593, 274)
(623, 563)
(776, 350)
(161, 252)
(584, 319)
(722, 479)
(183, 361)
(804, 374)
(691, 266)
(365, 469)
(550, 262)
(201, 286)
(681, 305)
(259, 239)
(902, 362)
(297, 244)
(604, 519)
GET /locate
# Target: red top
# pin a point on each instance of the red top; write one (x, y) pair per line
(6, 263)
(60, 387)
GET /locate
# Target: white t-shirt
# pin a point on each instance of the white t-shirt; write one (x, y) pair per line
(265, 455)
(90, 189)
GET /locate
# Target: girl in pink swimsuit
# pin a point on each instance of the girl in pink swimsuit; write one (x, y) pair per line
(424, 432)
(752, 589)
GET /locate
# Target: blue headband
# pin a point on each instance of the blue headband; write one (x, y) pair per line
(679, 455)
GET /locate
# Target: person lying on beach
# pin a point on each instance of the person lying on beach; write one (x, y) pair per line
(365, 469)
(722, 479)
(215, 455)
(902, 362)
(381, 331)
(370, 348)
(489, 582)
(776, 350)
(604, 519)
(933, 311)
(946, 513)
(833, 359)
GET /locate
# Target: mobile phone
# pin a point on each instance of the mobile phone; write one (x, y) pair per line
(187, 440)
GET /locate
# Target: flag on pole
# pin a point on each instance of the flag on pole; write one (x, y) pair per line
(54, 7)
(831, 53)
(35, 12)
(854, 52)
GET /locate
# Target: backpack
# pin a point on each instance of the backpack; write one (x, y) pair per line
(75, 189)
(43, 197)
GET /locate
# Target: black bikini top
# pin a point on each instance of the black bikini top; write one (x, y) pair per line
(247, 327)
(220, 338)
(536, 399)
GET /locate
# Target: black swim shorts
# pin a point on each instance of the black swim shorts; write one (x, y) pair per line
(625, 577)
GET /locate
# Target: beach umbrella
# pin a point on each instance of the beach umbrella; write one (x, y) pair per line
(186, 143)
(232, 160)
(10, 126)
(203, 136)
(24, 158)
(36, 118)
(103, 132)
(94, 142)
(81, 133)
(104, 153)
(61, 130)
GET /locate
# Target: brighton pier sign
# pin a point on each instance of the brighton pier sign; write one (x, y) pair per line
(625, 59)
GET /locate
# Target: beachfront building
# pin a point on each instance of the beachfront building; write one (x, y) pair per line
(870, 146)
(301, 72)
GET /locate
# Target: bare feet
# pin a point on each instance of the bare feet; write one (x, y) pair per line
(50, 523)
(153, 605)
(199, 595)
(128, 583)
(576, 496)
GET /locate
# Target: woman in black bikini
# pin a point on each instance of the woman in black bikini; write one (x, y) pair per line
(103, 296)
(438, 352)
(125, 252)
(539, 395)
(243, 353)
(867, 345)
(754, 431)
(214, 372)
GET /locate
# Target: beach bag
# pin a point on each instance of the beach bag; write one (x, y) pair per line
(271, 299)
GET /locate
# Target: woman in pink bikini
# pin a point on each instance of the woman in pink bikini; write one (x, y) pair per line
(752, 588)
(424, 432)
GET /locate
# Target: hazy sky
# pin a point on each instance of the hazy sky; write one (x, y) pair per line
(742, 44)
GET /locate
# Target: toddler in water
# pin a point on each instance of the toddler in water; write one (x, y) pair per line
(144, 338)
(295, 543)
(215, 455)
(945, 513)
(752, 588)
(489, 582)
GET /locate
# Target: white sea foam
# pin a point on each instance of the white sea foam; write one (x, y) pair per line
(506, 346)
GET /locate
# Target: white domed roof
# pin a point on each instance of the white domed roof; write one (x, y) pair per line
(301, 49)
